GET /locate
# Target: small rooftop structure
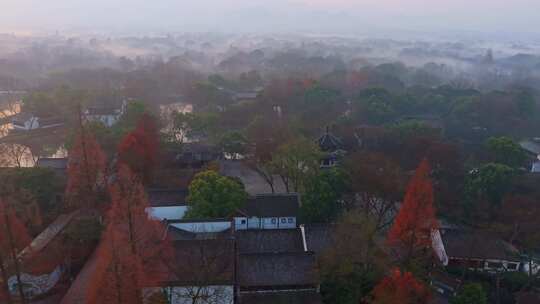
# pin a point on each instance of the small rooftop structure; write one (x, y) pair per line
(329, 143)
(332, 147)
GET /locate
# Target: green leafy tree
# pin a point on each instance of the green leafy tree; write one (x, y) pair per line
(485, 189)
(193, 125)
(295, 162)
(375, 106)
(505, 151)
(489, 182)
(470, 294)
(234, 144)
(322, 201)
(214, 196)
(352, 266)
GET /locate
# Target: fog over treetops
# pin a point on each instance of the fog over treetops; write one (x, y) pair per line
(348, 16)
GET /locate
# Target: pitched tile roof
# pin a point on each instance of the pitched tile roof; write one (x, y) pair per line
(276, 270)
(477, 245)
(329, 143)
(167, 197)
(273, 205)
(202, 263)
(319, 237)
(268, 241)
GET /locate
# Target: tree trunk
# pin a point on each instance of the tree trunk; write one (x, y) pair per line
(5, 278)
(13, 251)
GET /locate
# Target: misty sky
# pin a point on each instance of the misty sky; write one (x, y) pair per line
(273, 15)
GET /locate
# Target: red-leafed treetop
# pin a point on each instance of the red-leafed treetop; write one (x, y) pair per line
(128, 214)
(402, 288)
(139, 148)
(86, 171)
(131, 243)
(11, 224)
(118, 272)
(416, 219)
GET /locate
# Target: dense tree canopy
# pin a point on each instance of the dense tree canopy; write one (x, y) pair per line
(323, 198)
(214, 196)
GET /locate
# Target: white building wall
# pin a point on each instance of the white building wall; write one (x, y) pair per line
(243, 223)
(438, 246)
(168, 212)
(203, 227)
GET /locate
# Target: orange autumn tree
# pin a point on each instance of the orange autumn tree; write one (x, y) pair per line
(118, 272)
(410, 236)
(128, 214)
(86, 171)
(402, 288)
(139, 148)
(131, 245)
(13, 238)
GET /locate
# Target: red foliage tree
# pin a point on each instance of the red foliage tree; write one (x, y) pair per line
(139, 148)
(13, 238)
(401, 288)
(118, 273)
(410, 234)
(130, 247)
(128, 215)
(86, 171)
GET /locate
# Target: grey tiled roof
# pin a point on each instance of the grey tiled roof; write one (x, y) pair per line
(276, 270)
(202, 262)
(477, 245)
(268, 241)
(273, 205)
(329, 143)
(167, 197)
(319, 237)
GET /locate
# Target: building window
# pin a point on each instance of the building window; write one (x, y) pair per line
(243, 222)
(512, 266)
(273, 221)
(290, 220)
(283, 220)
